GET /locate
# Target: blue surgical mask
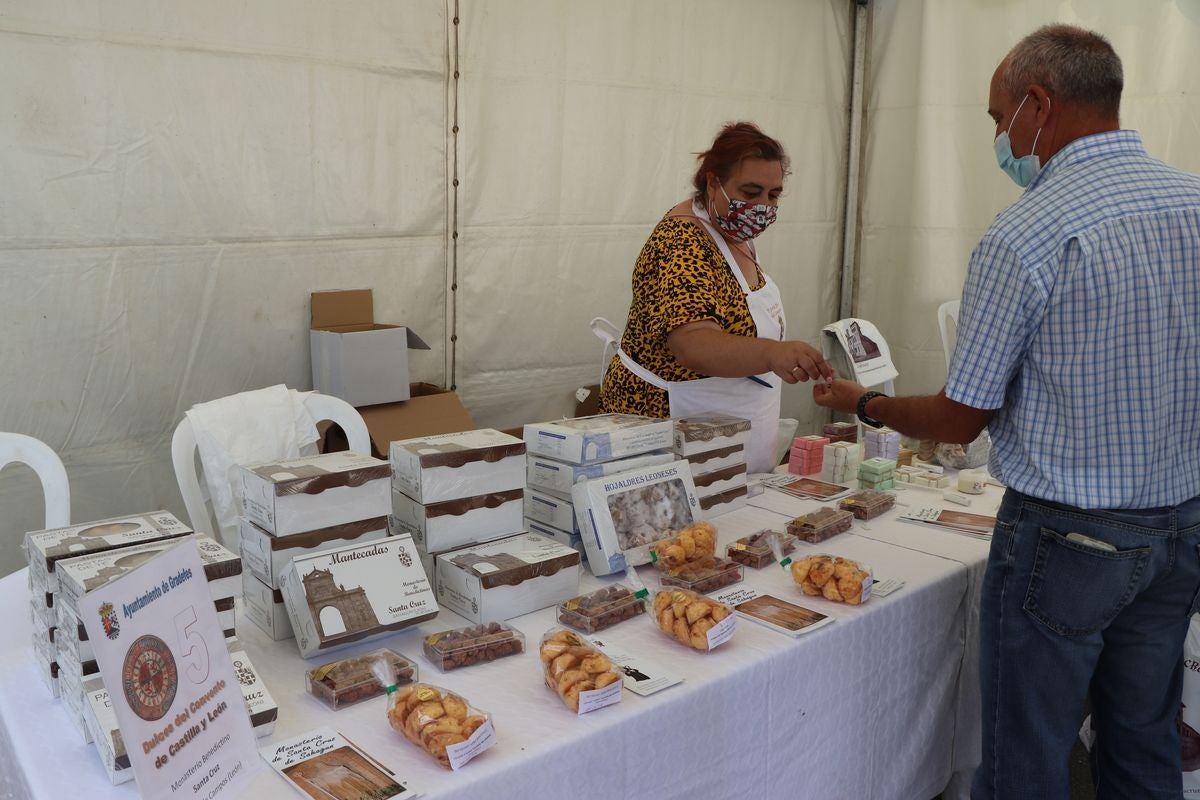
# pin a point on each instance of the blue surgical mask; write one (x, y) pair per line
(1024, 169)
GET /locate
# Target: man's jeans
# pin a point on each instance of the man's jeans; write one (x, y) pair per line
(1085, 601)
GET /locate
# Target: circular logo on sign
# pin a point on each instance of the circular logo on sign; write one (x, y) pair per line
(149, 678)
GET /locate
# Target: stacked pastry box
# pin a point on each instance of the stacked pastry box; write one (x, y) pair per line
(462, 497)
(101, 720)
(46, 550)
(714, 446)
(301, 507)
(457, 489)
(549, 508)
(609, 473)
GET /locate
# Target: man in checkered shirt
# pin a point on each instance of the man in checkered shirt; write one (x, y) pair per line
(1079, 349)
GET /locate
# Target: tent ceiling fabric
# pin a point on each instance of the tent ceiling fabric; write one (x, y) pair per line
(931, 184)
(175, 179)
(579, 125)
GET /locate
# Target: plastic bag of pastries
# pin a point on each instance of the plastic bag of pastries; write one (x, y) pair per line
(693, 543)
(433, 718)
(693, 619)
(578, 672)
(839, 579)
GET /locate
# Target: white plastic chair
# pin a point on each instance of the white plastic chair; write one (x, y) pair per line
(947, 314)
(16, 448)
(183, 452)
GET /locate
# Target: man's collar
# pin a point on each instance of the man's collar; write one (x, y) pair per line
(1086, 148)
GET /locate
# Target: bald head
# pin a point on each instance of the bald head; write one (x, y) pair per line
(1076, 67)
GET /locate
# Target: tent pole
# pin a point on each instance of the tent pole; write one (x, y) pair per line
(853, 162)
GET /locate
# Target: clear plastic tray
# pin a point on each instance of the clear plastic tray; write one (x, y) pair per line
(474, 644)
(704, 576)
(820, 525)
(754, 551)
(350, 680)
(868, 503)
(600, 609)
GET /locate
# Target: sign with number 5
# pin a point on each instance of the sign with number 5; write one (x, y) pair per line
(174, 691)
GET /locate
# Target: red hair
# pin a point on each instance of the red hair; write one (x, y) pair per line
(736, 142)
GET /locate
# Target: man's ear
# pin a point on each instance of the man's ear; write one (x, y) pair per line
(1043, 105)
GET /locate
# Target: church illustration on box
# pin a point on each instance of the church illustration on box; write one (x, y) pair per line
(336, 610)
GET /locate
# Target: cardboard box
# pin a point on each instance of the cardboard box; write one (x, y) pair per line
(45, 548)
(552, 509)
(47, 669)
(454, 523)
(713, 460)
(449, 466)
(543, 472)
(721, 480)
(567, 538)
(267, 556)
(621, 515)
(588, 440)
(264, 606)
(78, 576)
(709, 432)
(717, 504)
(101, 720)
(73, 703)
(355, 358)
(307, 494)
(430, 410)
(507, 578)
(356, 593)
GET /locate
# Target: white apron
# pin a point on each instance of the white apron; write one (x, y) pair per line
(739, 397)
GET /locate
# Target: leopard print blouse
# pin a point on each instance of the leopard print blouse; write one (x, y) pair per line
(680, 277)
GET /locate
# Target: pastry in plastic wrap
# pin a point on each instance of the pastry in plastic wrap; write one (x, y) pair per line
(693, 619)
(834, 578)
(433, 719)
(573, 668)
(695, 542)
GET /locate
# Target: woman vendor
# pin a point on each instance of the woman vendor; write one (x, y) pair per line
(705, 331)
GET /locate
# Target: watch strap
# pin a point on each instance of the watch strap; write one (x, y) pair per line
(862, 409)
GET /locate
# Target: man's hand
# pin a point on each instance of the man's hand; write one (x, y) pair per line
(841, 395)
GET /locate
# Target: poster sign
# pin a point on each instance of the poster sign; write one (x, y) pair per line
(163, 657)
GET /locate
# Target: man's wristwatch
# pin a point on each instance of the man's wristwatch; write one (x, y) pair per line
(862, 409)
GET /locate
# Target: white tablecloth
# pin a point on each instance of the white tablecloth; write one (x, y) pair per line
(870, 706)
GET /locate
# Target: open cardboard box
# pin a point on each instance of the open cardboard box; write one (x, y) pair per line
(355, 358)
(429, 410)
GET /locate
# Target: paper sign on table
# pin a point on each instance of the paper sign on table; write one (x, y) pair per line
(642, 677)
(884, 588)
(810, 487)
(977, 525)
(172, 685)
(775, 613)
(323, 764)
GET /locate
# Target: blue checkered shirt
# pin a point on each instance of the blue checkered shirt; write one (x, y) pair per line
(1080, 323)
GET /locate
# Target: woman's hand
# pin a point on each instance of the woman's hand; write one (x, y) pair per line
(796, 362)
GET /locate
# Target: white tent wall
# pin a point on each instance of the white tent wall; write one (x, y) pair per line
(931, 184)
(174, 180)
(579, 126)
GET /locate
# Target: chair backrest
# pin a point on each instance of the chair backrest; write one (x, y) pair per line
(183, 453)
(16, 448)
(947, 314)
